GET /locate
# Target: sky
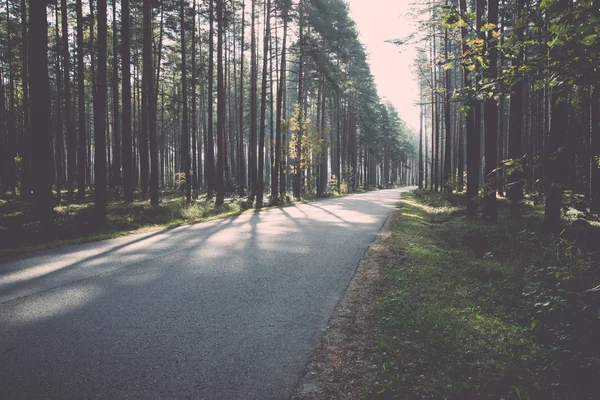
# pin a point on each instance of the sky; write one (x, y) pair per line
(391, 66)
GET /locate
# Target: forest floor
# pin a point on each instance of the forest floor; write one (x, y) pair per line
(448, 307)
(74, 223)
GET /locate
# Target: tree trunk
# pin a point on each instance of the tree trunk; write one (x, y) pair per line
(241, 161)
(39, 86)
(473, 139)
(220, 107)
(210, 146)
(58, 137)
(279, 136)
(127, 150)
(490, 213)
(515, 148)
(148, 77)
(299, 155)
(185, 133)
(447, 121)
(252, 158)
(194, 105)
(421, 138)
(71, 138)
(25, 140)
(99, 118)
(555, 164)
(81, 150)
(116, 165)
(263, 110)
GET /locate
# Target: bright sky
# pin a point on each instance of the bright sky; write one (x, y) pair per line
(378, 21)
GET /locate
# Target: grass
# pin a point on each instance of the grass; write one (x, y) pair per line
(74, 223)
(478, 311)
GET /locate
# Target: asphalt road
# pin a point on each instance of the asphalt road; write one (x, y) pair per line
(229, 309)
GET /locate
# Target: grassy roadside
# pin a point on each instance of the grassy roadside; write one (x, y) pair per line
(74, 223)
(444, 307)
(480, 311)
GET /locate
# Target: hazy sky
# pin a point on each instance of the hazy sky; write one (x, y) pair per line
(378, 21)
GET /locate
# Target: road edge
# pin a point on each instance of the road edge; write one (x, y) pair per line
(336, 367)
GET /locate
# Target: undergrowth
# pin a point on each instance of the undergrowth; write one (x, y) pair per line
(75, 223)
(478, 311)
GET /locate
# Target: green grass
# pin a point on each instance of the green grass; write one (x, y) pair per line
(478, 311)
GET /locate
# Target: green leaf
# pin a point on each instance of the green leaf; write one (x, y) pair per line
(589, 40)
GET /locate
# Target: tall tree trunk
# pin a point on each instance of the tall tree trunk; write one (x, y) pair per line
(421, 137)
(281, 95)
(194, 105)
(81, 150)
(220, 107)
(252, 158)
(3, 149)
(116, 165)
(241, 161)
(99, 118)
(447, 121)
(210, 146)
(490, 213)
(299, 155)
(148, 77)
(11, 143)
(71, 138)
(127, 151)
(58, 137)
(278, 133)
(473, 138)
(25, 139)
(556, 163)
(515, 148)
(263, 110)
(39, 86)
(185, 133)
(323, 172)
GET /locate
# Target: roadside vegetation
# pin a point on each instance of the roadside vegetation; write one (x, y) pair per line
(74, 223)
(472, 310)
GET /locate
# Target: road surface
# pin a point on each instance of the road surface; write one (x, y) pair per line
(229, 309)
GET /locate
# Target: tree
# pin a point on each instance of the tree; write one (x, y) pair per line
(127, 148)
(39, 86)
(263, 109)
(252, 167)
(185, 133)
(490, 213)
(151, 100)
(99, 117)
(116, 162)
(211, 178)
(515, 151)
(241, 161)
(82, 137)
(220, 107)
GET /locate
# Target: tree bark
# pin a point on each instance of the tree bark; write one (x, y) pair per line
(220, 107)
(127, 150)
(148, 77)
(39, 86)
(490, 212)
(263, 110)
(99, 118)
